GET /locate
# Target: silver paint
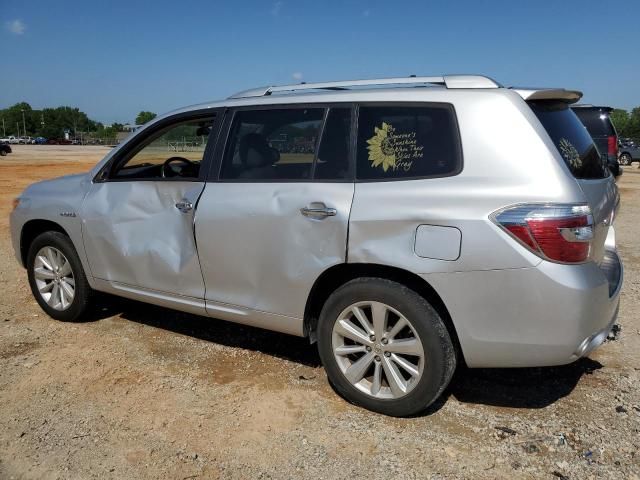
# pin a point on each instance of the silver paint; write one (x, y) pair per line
(134, 235)
(259, 251)
(247, 253)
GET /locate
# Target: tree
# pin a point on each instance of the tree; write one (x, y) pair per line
(620, 119)
(633, 128)
(13, 119)
(144, 117)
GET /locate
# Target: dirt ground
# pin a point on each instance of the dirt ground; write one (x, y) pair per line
(143, 392)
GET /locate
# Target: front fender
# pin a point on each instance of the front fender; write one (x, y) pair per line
(57, 201)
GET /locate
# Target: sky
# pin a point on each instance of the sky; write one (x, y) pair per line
(113, 59)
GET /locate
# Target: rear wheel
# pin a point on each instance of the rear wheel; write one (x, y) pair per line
(625, 159)
(384, 347)
(56, 277)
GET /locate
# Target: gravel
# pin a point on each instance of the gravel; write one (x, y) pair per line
(143, 392)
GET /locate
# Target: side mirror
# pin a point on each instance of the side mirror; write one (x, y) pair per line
(102, 176)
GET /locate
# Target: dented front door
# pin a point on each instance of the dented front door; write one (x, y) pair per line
(140, 234)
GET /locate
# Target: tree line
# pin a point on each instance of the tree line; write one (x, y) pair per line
(627, 123)
(52, 122)
(22, 120)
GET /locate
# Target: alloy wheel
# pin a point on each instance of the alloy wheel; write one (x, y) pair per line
(378, 350)
(54, 278)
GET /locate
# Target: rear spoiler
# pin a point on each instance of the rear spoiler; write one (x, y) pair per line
(560, 94)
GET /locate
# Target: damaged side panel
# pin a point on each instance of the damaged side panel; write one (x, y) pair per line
(259, 252)
(134, 235)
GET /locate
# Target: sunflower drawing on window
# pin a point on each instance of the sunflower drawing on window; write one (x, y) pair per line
(381, 148)
(570, 153)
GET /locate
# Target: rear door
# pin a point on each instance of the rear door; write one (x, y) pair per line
(584, 162)
(277, 215)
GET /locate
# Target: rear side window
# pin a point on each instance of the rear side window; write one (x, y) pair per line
(571, 139)
(402, 142)
(597, 122)
(272, 144)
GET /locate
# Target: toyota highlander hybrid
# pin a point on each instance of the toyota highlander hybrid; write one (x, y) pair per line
(405, 225)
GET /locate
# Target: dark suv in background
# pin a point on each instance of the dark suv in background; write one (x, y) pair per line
(601, 129)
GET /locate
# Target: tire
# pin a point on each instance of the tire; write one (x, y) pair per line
(425, 332)
(626, 159)
(3, 153)
(59, 246)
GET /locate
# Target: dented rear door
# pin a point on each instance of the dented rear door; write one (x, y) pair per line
(276, 217)
(258, 249)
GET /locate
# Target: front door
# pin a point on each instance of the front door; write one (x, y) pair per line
(138, 216)
(278, 215)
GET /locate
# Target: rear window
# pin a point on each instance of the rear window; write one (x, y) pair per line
(597, 122)
(571, 139)
(402, 142)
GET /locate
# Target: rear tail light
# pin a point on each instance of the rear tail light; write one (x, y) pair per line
(560, 233)
(612, 146)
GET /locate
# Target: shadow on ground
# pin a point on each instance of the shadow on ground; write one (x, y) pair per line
(230, 334)
(520, 387)
(514, 388)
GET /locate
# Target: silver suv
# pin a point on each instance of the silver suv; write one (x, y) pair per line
(406, 225)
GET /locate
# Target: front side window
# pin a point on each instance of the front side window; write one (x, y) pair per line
(174, 152)
(396, 142)
(277, 144)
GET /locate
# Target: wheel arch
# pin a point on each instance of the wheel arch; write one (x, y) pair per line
(33, 228)
(338, 275)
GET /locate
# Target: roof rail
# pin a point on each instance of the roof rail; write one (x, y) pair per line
(448, 81)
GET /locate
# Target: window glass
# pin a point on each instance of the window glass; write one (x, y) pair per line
(333, 153)
(407, 142)
(597, 121)
(272, 144)
(571, 139)
(175, 151)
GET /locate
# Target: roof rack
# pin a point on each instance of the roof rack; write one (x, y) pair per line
(448, 81)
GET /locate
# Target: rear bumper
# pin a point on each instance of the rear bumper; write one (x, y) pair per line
(550, 314)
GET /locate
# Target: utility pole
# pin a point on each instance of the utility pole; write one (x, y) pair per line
(24, 125)
(4, 131)
(18, 128)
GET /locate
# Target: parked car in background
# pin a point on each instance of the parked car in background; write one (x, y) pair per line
(58, 141)
(4, 149)
(40, 140)
(13, 140)
(629, 152)
(393, 226)
(599, 125)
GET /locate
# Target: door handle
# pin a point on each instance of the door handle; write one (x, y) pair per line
(184, 206)
(318, 210)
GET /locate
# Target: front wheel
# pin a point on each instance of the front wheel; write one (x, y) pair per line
(384, 347)
(56, 277)
(3, 153)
